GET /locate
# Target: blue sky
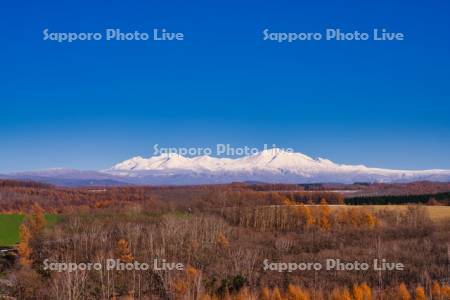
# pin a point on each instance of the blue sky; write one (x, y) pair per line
(88, 105)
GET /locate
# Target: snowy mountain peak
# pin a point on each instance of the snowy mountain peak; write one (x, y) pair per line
(170, 155)
(270, 165)
(270, 158)
(272, 152)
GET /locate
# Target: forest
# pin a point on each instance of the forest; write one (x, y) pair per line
(224, 236)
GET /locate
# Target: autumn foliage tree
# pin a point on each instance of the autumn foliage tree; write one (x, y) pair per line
(340, 294)
(222, 241)
(366, 291)
(188, 285)
(358, 293)
(402, 293)
(324, 216)
(123, 251)
(306, 215)
(439, 292)
(36, 219)
(23, 247)
(296, 293)
(436, 291)
(265, 294)
(445, 291)
(420, 293)
(33, 226)
(276, 294)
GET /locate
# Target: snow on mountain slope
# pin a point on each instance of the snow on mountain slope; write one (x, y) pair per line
(272, 165)
(272, 159)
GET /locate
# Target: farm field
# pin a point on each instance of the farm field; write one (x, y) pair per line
(437, 213)
(9, 227)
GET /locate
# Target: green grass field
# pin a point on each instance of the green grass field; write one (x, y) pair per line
(9, 227)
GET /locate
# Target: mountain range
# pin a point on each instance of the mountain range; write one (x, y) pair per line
(270, 166)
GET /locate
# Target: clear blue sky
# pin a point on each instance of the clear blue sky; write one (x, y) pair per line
(88, 105)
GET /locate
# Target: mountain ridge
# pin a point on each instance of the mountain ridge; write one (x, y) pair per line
(270, 165)
(265, 159)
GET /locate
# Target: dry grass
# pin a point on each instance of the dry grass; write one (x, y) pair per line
(437, 213)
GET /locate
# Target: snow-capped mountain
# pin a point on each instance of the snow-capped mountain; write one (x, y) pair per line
(272, 165)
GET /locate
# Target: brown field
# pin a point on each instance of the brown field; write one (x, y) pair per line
(437, 213)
